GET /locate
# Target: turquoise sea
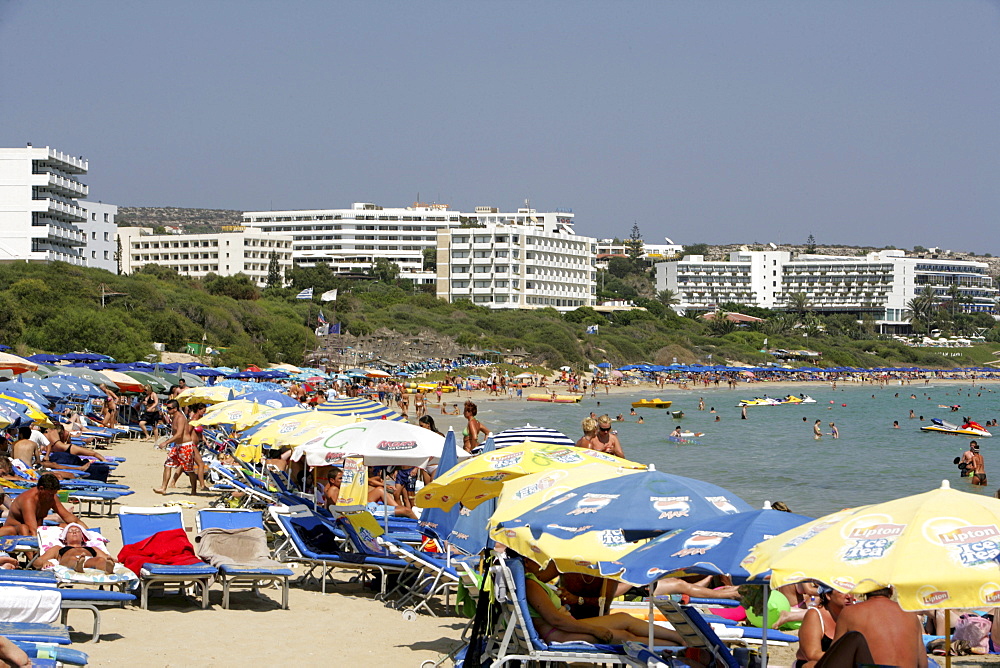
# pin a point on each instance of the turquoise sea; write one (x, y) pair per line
(772, 455)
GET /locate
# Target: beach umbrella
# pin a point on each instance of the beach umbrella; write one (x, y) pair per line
(938, 550)
(16, 364)
(124, 383)
(26, 391)
(509, 437)
(76, 386)
(42, 358)
(205, 395)
(45, 388)
(379, 443)
(471, 531)
(85, 357)
(272, 399)
(638, 506)
(366, 409)
(482, 477)
(715, 546)
(155, 383)
(95, 377)
(26, 407)
(294, 428)
(436, 522)
(237, 414)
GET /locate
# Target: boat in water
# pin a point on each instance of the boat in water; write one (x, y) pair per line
(968, 428)
(556, 398)
(791, 399)
(651, 403)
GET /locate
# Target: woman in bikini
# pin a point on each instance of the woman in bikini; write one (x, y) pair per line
(473, 428)
(150, 412)
(75, 553)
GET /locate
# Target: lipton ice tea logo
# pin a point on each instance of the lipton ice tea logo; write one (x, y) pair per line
(931, 596)
(592, 503)
(504, 459)
(564, 456)
(540, 485)
(974, 545)
(872, 542)
(989, 593)
(671, 507)
(701, 542)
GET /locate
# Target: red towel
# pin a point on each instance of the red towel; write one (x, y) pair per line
(168, 548)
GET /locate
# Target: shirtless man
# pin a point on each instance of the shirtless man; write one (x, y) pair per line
(180, 450)
(978, 465)
(606, 441)
(31, 507)
(894, 636)
(25, 449)
(967, 461)
(196, 412)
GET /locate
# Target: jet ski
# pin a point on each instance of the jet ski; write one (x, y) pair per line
(969, 428)
(769, 401)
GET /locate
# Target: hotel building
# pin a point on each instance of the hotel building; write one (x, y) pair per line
(517, 266)
(40, 211)
(100, 231)
(235, 251)
(880, 283)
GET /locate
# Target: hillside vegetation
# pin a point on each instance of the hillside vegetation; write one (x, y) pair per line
(57, 308)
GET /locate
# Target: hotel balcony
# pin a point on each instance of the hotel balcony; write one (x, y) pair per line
(64, 187)
(61, 211)
(67, 163)
(58, 231)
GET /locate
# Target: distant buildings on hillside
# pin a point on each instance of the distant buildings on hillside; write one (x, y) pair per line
(880, 284)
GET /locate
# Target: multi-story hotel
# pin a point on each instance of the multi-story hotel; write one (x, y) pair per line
(880, 283)
(238, 251)
(39, 206)
(100, 231)
(522, 266)
(351, 240)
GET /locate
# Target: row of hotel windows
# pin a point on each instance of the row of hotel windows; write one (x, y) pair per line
(348, 216)
(215, 268)
(368, 237)
(357, 247)
(530, 240)
(542, 301)
(285, 229)
(209, 243)
(516, 285)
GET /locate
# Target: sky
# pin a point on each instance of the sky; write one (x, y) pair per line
(860, 123)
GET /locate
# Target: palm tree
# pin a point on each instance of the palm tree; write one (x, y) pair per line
(798, 303)
(668, 297)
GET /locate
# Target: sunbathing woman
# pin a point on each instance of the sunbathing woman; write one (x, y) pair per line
(554, 623)
(819, 626)
(75, 553)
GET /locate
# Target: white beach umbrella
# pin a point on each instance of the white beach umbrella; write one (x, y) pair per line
(378, 442)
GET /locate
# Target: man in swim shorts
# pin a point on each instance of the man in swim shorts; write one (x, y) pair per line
(180, 451)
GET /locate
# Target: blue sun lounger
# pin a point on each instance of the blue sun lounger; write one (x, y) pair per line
(235, 575)
(139, 524)
(58, 654)
(93, 600)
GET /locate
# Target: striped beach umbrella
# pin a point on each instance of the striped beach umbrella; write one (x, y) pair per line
(518, 435)
(366, 409)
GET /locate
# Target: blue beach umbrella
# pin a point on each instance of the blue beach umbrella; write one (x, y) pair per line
(272, 399)
(714, 546)
(471, 531)
(435, 522)
(639, 505)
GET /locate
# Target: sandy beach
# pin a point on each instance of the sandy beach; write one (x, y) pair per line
(346, 626)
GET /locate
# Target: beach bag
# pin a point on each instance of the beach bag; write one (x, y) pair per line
(975, 630)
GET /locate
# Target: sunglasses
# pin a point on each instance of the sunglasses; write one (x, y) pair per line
(605, 428)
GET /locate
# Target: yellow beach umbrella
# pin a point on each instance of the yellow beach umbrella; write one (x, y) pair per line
(581, 554)
(31, 409)
(297, 428)
(16, 364)
(238, 414)
(938, 549)
(213, 394)
(482, 477)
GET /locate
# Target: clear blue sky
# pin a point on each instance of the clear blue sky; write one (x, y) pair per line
(857, 122)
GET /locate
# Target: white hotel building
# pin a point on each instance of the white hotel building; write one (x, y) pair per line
(879, 283)
(238, 251)
(351, 240)
(526, 266)
(39, 206)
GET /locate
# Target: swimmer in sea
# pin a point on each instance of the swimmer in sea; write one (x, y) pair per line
(817, 430)
(895, 424)
(834, 431)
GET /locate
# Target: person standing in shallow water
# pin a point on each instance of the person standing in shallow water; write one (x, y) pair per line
(818, 430)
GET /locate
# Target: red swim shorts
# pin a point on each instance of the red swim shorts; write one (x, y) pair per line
(181, 456)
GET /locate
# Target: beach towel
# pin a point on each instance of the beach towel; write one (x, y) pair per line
(18, 604)
(245, 547)
(167, 548)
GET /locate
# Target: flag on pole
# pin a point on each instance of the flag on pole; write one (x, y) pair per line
(329, 296)
(305, 294)
(334, 328)
(321, 319)
(592, 329)
(322, 330)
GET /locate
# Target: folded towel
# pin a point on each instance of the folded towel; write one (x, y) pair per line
(19, 604)
(245, 547)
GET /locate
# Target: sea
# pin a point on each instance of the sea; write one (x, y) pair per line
(773, 455)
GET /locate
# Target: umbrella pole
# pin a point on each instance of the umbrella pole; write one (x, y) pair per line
(947, 638)
(652, 616)
(765, 625)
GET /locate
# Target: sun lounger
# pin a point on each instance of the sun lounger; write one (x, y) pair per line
(516, 639)
(432, 576)
(237, 575)
(48, 652)
(56, 634)
(311, 541)
(138, 524)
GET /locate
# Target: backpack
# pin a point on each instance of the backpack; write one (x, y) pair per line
(975, 630)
